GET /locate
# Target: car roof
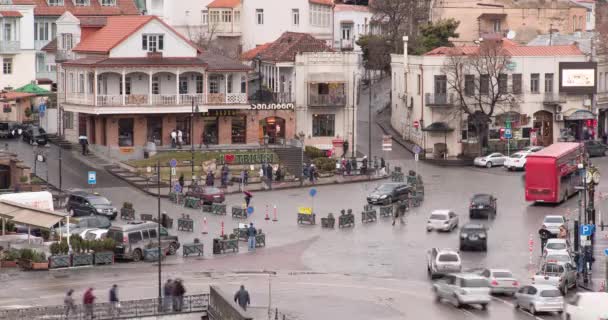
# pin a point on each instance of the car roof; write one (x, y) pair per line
(556, 240)
(473, 226)
(554, 216)
(542, 287)
(499, 270)
(446, 250)
(441, 211)
(134, 225)
(482, 196)
(464, 275)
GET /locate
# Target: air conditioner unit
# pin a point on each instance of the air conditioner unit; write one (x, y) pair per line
(559, 117)
(587, 102)
(558, 109)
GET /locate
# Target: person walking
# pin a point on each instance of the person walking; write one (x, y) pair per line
(400, 210)
(178, 295)
(242, 298)
(84, 143)
(168, 295)
(354, 165)
(68, 304)
(251, 233)
(180, 138)
(344, 148)
(544, 235)
(269, 176)
(181, 181)
(382, 166)
(248, 197)
(114, 302)
(173, 136)
(88, 300)
(364, 165)
(225, 172)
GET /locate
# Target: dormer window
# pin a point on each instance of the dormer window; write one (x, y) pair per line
(54, 3)
(67, 42)
(152, 42)
(82, 3)
(108, 3)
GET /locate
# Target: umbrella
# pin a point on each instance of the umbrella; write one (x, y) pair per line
(247, 193)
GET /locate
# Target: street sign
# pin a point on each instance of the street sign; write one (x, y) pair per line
(417, 149)
(416, 157)
(173, 163)
(606, 252)
(508, 133)
(249, 210)
(173, 171)
(586, 230)
(387, 143)
(312, 192)
(92, 177)
(416, 124)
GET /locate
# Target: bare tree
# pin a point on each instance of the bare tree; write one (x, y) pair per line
(400, 18)
(479, 81)
(601, 27)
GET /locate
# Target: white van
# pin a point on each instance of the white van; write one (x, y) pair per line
(587, 306)
(40, 200)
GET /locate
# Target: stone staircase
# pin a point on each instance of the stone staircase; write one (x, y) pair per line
(62, 143)
(291, 158)
(134, 179)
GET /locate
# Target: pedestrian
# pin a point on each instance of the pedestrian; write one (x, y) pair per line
(343, 166)
(248, 197)
(209, 180)
(311, 173)
(354, 165)
(168, 294)
(245, 177)
(364, 165)
(544, 236)
(225, 173)
(19, 131)
(88, 300)
(382, 166)
(173, 136)
(178, 295)
(348, 167)
(84, 143)
(344, 148)
(376, 165)
(399, 211)
(563, 233)
(305, 170)
(251, 233)
(114, 302)
(69, 304)
(242, 298)
(180, 138)
(181, 181)
(269, 176)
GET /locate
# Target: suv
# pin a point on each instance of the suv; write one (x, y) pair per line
(463, 289)
(482, 205)
(208, 195)
(442, 261)
(133, 237)
(35, 134)
(81, 203)
(559, 275)
(474, 236)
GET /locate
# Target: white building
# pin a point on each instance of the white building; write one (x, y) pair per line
(17, 52)
(189, 18)
(426, 111)
(590, 18)
(350, 23)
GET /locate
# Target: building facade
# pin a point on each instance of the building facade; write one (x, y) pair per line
(350, 23)
(17, 53)
(189, 18)
(425, 109)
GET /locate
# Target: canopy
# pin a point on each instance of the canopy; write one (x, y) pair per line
(578, 114)
(23, 214)
(438, 127)
(32, 88)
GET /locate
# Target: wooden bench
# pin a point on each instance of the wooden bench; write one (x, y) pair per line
(240, 233)
(193, 248)
(185, 224)
(239, 212)
(328, 222)
(309, 218)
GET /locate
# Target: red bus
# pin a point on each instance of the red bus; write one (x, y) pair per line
(552, 173)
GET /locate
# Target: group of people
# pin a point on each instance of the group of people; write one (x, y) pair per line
(173, 292)
(310, 172)
(88, 302)
(177, 138)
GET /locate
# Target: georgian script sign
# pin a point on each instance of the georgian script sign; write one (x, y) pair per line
(272, 106)
(246, 158)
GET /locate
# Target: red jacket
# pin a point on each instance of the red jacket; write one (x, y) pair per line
(89, 298)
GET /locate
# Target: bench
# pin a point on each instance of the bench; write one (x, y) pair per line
(127, 214)
(176, 197)
(346, 219)
(240, 233)
(328, 222)
(239, 212)
(229, 244)
(207, 208)
(260, 240)
(219, 209)
(185, 224)
(192, 248)
(146, 217)
(192, 202)
(386, 211)
(309, 218)
(368, 216)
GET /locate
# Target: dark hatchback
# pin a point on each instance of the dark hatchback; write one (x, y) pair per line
(82, 203)
(482, 205)
(387, 193)
(35, 134)
(473, 236)
(595, 148)
(207, 195)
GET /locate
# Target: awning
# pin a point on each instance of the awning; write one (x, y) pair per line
(496, 16)
(23, 214)
(326, 77)
(578, 114)
(347, 22)
(438, 127)
(32, 88)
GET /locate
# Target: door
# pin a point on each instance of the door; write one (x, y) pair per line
(93, 139)
(78, 206)
(82, 124)
(441, 89)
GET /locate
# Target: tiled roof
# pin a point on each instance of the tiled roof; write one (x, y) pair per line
(323, 2)
(288, 45)
(93, 21)
(210, 61)
(251, 54)
(24, 2)
(350, 7)
(12, 95)
(218, 62)
(123, 7)
(10, 14)
(224, 4)
(513, 50)
(51, 46)
(116, 30)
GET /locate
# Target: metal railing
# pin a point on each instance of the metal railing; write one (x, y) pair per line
(438, 99)
(109, 100)
(10, 46)
(131, 309)
(199, 98)
(326, 100)
(164, 99)
(265, 96)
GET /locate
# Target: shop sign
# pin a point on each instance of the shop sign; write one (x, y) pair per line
(126, 150)
(220, 113)
(272, 106)
(246, 158)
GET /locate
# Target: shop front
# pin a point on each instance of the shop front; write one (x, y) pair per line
(542, 131)
(579, 125)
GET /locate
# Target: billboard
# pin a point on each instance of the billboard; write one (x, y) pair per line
(577, 77)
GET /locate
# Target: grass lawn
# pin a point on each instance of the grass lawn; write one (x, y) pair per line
(180, 156)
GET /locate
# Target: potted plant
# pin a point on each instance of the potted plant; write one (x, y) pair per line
(33, 260)
(59, 255)
(103, 251)
(40, 262)
(127, 212)
(81, 255)
(9, 259)
(9, 227)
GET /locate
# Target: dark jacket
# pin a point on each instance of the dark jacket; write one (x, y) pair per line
(178, 289)
(251, 231)
(242, 298)
(113, 295)
(168, 289)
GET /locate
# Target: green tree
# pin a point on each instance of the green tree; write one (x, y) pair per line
(435, 35)
(376, 52)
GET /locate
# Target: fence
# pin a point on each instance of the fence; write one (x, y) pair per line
(132, 309)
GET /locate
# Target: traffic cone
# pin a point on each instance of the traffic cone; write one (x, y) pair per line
(267, 217)
(205, 225)
(274, 216)
(222, 233)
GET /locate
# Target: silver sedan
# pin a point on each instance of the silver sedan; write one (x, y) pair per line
(491, 160)
(539, 298)
(501, 281)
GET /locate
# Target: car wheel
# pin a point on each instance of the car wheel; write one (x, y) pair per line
(484, 306)
(484, 248)
(172, 249)
(564, 289)
(462, 247)
(532, 310)
(489, 164)
(456, 302)
(137, 255)
(516, 304)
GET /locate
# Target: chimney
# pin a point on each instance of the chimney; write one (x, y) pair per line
(405, 57)
(155, 55)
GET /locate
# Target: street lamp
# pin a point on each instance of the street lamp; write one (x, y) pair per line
(194, 110)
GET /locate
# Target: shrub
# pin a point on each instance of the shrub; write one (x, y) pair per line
(27, 254)
(127, 205)
(107, 244)
(313, 152)
(325, 164)
(10, 226)
(39, 257)
(10, 255)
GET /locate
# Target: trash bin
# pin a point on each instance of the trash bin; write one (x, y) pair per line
(164, 221)
(217, 248)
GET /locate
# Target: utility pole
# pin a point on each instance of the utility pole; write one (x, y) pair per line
(369, 129)
(160, 294)
(60, 166)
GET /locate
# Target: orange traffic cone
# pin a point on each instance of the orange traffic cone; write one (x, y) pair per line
(205, 225)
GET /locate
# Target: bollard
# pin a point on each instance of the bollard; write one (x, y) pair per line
(222, 233)
(267, 217)
(274, 218)
(205, 225)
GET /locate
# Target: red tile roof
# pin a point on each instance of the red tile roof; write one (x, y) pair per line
(514, 50)
(224, 4)
(251, 54)
(210, 61)
(349, 7)
(51, 46)
(93, 21)
(322, 2)
(123, 7)
(10, 14)
(288, 45)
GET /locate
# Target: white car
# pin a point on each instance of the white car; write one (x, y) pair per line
(539, 298)
(443, 261)
(94, 234)
(556, 246)
(442, 220)
(463, 289)
(501, 281)
(552, 223)
(559, 257)
(491, 160)
(531, 149)
(587, 306)
(516, 161)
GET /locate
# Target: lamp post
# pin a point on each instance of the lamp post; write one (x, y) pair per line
(194, 110)
(160, 293)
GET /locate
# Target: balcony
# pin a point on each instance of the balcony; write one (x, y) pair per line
(553, 98)
(602, 97)
(225, 29)
(266, 96)
(10, 47)
(144, 99)
(64, 55)
(347, 44)
(439, 99)
(326, 100)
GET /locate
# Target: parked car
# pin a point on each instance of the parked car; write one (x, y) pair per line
(491, 160)
(587, 306)
(207, 195)
(34, 134)
(463, 289)
(85, 223)
(516, 161)
(482, 205)
(553, 222)
(501, 281)
(595, 148)
(531, 149)
(559, 275)
(132, 238)
(539, 298)
(556, 246)
(559, 257)
(6, 129)
(82, 203)
(442, 261)
(94, 234)
(387, 193)
(442, 220)
(473, 236)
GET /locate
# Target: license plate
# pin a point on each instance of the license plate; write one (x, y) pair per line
(479, 207)
(473, 237)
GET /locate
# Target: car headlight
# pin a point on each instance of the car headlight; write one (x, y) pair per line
(383, 196)
(463, 235)
(99, 210)
(482, 236)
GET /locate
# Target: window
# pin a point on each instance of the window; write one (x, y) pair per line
(226, 16)
(320, 15)
(155, 85)
(8, 31)
(81, 83)
(108, 3)
(346, 31)
(295, 17)
(548, 82)
(80, 3)
(7, 65)
(516, 83)
(229, 82)
(214, 84)
(484, 84)
(199, 84)
(40, 62)
(502, 83)
(135, 237)
(588, 16)
(534, 82)
(469, 84)
(239, 129)
(204, 17)
(68, 120)
(259, 16)
(152, 42)
(125, 132)
(496, 25)
(323, 125)
(183, 85)
(41, 31)
(66, 41)
(127, 85)
(580, 23)
(152, 233)
(214, 17)
(237, 17)
(243, 84)
(574, 23)
(323, 88)
(441, 87)
(55, 3)
(145, 234)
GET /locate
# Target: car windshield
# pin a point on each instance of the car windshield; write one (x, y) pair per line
(556, 246)
(553, 268)
(212, 190)
(474, 283)
(115, 235)
(554, 220)
(481, 198)
(438, 216)
(517, 155)
(385, 188)
(472, 229)
(448, 257)
(558, 257)
(551, 293)
(502, 274)
(99, 201)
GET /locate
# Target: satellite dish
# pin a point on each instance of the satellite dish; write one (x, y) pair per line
(511, 34)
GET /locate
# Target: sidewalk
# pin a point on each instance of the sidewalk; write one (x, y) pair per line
(598, 275)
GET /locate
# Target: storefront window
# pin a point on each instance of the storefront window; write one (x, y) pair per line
(210, 130)
(239, 129)
(323, 125)
(155, 130)
(125, 132)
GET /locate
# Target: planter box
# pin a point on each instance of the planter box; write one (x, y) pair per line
(104, 257)
(152, 254)
(82, 259)
(9, 264)
(59, 261)
(30, 265)
(127, 214)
